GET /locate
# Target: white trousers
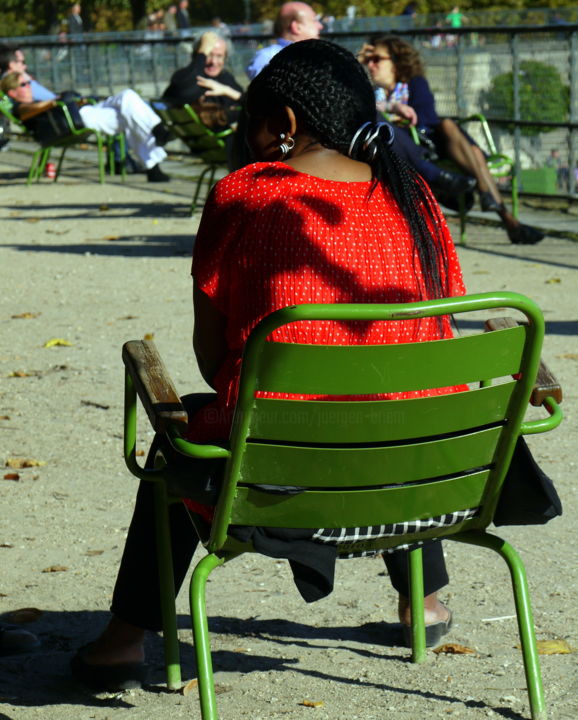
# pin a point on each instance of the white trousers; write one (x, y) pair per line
(126, 112)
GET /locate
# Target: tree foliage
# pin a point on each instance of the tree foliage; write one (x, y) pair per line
(33, 17)
(543, 96)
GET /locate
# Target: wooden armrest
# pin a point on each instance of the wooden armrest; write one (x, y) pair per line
(546, 384)
(153, 384)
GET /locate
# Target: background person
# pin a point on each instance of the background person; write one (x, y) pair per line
(295, 21)
(328, 214)
(397, 67)
(12, 60)
(124, 112)
(205, 77)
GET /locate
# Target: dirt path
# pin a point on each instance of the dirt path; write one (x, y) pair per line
(95, 266)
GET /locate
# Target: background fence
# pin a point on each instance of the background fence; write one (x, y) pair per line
(523, 78)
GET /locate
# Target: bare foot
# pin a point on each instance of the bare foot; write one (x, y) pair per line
(119, 644)
(435, 611)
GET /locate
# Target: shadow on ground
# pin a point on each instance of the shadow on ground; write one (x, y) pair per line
(43, 678)
(124, 245)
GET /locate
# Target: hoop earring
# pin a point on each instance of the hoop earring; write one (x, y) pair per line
(286, 146)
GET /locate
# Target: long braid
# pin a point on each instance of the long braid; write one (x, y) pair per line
(330, 93)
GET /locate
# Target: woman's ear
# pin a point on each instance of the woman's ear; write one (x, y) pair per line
(291, 120)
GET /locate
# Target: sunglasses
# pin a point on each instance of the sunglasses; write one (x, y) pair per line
(25, 83)
(376, 58)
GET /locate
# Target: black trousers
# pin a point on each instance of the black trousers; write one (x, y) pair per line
(136, 598)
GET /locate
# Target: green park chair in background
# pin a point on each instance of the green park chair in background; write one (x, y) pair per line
(443, 453)
(71, 136)
(206, 144)
(499, 165)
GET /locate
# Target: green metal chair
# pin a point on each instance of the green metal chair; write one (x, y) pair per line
(499, 165)
(449, 453)
(75, 136)
(206, 144)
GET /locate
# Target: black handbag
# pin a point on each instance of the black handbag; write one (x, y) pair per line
(528, 495)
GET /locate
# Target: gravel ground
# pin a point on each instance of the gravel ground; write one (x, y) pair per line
(97, 265)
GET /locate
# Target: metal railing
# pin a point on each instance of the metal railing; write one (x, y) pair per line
(462, 65)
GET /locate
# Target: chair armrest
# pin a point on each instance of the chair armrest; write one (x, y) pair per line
(546, 385)
(153, 385)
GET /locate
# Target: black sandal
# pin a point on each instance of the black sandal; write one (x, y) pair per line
(524, 235)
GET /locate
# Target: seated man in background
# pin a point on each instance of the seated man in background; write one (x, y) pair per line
(204, 81)
(295, 21)
(124, 112)
(12, 60)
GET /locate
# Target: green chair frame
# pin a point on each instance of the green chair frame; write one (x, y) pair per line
(209, 145)
(450, 452)
(499, 165)
(40, 157)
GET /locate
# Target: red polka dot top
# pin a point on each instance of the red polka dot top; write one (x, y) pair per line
(271, 236)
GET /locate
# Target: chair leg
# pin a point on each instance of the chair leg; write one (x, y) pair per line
(416, 595)
(101, 158)
(34, 165)
(44, 157)
(167, 589)
(198, 190)
(515, 199)
(523, 613)
(201, 635)
(122, 153)
(463, 213)
(59, 166)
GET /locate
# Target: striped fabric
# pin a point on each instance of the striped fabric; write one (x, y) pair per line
(338, 536)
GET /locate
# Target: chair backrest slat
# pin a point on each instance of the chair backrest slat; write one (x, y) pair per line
(336, 467)
(368, 369)
(357, 508)
(374, 421)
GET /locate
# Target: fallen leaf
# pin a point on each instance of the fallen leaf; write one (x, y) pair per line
(149, 336)
(110, 238)
(129, 317)
(454, 649)
(189, 687)
(57, 342)
(20, 463)
(103, 207)
(6, 545)
(552, 281)
(553, 647)
(24, 615)
(11, 476)
(4, 417)
(55, 568)
(139, 453)
(312, 703)
(91, 553)
(19, 373)
(26, 315)
(568, 356)
(32, 220)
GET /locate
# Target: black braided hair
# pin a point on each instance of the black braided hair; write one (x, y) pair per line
(332, 98)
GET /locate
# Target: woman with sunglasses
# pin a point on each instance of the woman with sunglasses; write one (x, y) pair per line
(396, 68)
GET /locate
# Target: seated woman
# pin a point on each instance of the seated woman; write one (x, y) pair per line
(396, 66)
(329, 214)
